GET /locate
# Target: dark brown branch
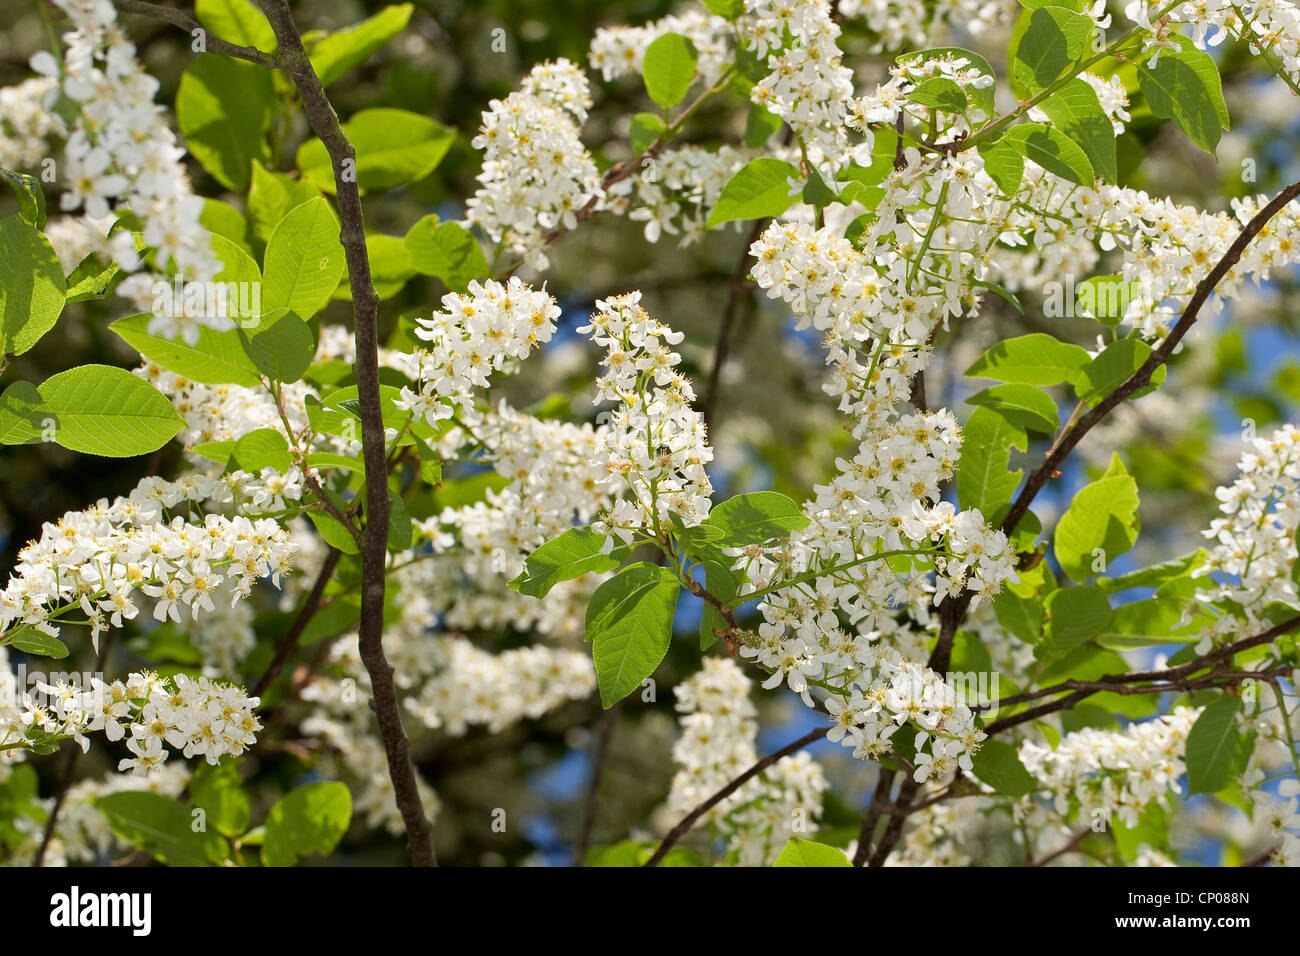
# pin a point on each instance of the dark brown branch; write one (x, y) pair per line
(181, 19)
(293, 60)
(878, 807)
(1142, 377)
(1056, 854)
(607, 723)
(294, 634)
(684, 825)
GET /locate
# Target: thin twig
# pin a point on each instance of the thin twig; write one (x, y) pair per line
(684, 825)
(212, 42)
(607, 723)
(294, 634)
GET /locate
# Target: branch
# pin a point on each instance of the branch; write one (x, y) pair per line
(688, 821)
(608, 721)
(181, 19)
(299, 624)
(293, 60)
(1055, 854)
(1142, 377)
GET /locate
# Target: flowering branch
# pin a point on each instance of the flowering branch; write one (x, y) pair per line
(181, 19)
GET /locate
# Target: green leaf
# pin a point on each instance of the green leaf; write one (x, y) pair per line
(1022, 616)
(226, 222)
(1005, 164)
(723, 583)
(644, 130)
(218, 791)
(1076, 111)
(728, 9)
(1104, 298)
(400, 533)
(759, 190)
(224, 109)
(630, 622)
(1103, 517)
(574, 553)
(31, 200)
(668, 67)
(262, 448)
(1184, 86)
(283, 350)
(808, 853)
(237, 21)
(92, 279)
(304, 259)
(103, 410)
(31, 641)
(161, 826)
(271, 195)
(755, 518)
(1045, 43)
(333, 531)
(1052, 150)
(335, 54)
(1155, 575)
(446, 250)
(1149, 622)
(997, 764)
(1034, 359)
(31, 285)
(21, 414)
(309, 819)
(216, 358)
(984, 476)
(941, 93)
(394, 147)
(981, 96)
(1212, 745)
(1028, 407)
(1113, 367)
(1074, 615)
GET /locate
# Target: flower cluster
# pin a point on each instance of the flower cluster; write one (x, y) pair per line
(1113, 772)
(101, 562)
(536, 174)
(26, 127)
(1254, 540)
(655, 445)
(199, 718)
(618, 51)
(1271, 27)
(120, 150)
(446, 682)
(476, 334)
(809, 87)
(676, 191)
(719, 730)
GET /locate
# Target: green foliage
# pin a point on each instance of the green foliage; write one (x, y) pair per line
(446, 250)
(31, 285)
(755, 518)
(304, 260)
(807, 853)
(629, 623)
(1212, 745)
(1184, 86)
(102, 410)
(574, 553)
(336, 53)
(1101, 524)
(997, 764)
(1034, 359)
(668, 68)
(394, 147)
(309, 819)
(759, 190)
(163, 827)
(985, 479)
(1045, 43)
(224, 109)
